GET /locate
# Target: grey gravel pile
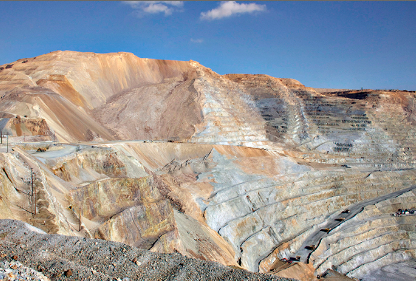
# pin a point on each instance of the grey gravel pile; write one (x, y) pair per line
(14, 270)
(62, 257)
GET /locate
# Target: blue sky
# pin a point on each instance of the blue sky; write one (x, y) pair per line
(321, 44)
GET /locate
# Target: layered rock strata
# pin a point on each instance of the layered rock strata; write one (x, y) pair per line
(240, 169)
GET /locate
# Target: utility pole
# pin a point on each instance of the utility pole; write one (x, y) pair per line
(33, 191)
(1, 134)
(7, 143)
(31, 179)
(80, 214)
(34, 201)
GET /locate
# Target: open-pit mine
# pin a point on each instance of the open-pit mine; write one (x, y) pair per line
(246, 176)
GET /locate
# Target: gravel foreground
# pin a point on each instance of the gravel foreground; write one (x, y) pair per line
(14, 270)
(39, 256)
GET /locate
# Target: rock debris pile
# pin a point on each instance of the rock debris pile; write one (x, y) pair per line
(14, 270)
(62, 257)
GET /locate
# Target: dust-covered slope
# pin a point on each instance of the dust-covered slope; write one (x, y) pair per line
(87, 78)
(165, 111)
(63, 87)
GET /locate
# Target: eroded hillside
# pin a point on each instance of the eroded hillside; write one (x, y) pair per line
(245, 170)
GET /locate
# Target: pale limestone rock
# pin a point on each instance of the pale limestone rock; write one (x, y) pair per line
(139, 226)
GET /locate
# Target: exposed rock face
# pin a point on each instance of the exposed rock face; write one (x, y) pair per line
(151, 221)
(371, 240)
(105, 198)
(240, 169)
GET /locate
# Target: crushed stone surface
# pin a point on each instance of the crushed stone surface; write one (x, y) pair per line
(14, 270)
(60, 257)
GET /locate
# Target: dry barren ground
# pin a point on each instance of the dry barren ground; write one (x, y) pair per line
(62, 257)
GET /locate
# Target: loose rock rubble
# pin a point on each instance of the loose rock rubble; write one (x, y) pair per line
(14, 270)
(62, 257)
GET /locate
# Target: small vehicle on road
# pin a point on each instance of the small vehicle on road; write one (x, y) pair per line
(292, 259)
(310, 247)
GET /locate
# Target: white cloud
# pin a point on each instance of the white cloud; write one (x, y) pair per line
(154, 7)
(229, 8)
(173, 3)
(197, 40)
(158, 8)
